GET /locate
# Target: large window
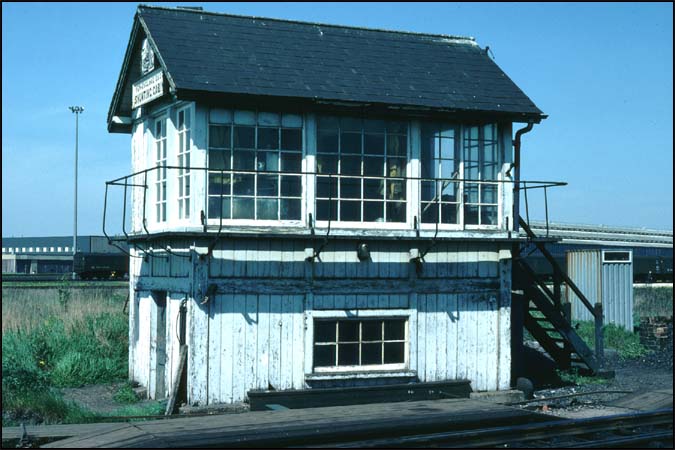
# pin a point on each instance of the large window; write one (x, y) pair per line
(460, 166)
(366, 160)
(184, 142)
(255, 160)
(367, 342)
(160, 159)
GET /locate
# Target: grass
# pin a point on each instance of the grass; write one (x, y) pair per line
(57, 338)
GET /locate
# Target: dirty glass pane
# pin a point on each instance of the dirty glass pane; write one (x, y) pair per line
(244, 117)
(471, 192)
(396, 190)
(267, 208)
(488, 215)
(373, 189)
(291, 120)
(324, 355)
(449, 213)
(291, 162)
(215, 206)
(290, 209)
(323, 212)
(488, 193)
(373, 144)
(219, 159)
(326, 164)
(243, 184)
(328, 122)
(218, 115)
(374, 126)
(350, 124)
(269, 119)
(268, 185)
(219, 184)
(268, 161)
(471, 215)
(243, 159)
(429, 212)
(350, 165)
(397, 127)
(396, 145)
(373, 166)
(326, 187)
(350, 143)
(243, 208)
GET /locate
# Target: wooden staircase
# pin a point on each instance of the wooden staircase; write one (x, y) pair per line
(548, 319)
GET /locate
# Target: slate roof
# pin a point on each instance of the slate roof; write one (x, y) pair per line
(209, 52)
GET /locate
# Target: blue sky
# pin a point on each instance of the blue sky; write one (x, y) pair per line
(602, 72)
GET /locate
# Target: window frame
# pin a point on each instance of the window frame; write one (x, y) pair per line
(185, 202)
(361, 315)
(162, 118)
(302, 198)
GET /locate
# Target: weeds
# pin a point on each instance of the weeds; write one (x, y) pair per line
(125, 394)
(627, 344)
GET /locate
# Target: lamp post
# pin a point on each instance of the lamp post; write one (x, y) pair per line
(77, 110)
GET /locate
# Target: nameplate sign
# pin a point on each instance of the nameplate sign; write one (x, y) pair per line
(147, 89)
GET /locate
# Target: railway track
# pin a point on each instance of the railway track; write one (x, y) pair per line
(652, 428)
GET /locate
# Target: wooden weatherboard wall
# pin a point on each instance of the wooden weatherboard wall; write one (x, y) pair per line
(255, 329)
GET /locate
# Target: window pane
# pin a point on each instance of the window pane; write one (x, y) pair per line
(488, 193)
(395, 190)
(268, 208)
(243, 184)
(268, 138)
(323, 212)
(371, 354)
(244, 137)
(324, 355)
(449, 213)
(395, 212)
(268, 185)
(373, 211)
(471, 215)
(350, 143)
(397, 127)
(324, 331)
(242, 208)
(215, 206)
(327, 141)
(375, 126)
(268, 161)
(291, 187)
(394, 330)
(243, 160)
(471, 193)
(291, 120)
(348, 331)
(396, 145)
(429, 212)
(373, 189)
(449, 193)
(393, 352)
(219, 136)
(350, 165)
(219, 184)
(350, 211)
(220, 116)
(290, 209)
(291, 139)
(350, 188)
(371, 330)
(326, 187)
(488, 215)
(219, 159)
(350, 124)
(429, 190)
(373, 166)
(244, 117)
(269, 119)
(327, 122)
(396, 167)
(374, 144)
(348, 354)
(291, 162)
(326, 164)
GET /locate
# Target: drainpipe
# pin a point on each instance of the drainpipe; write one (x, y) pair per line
(516, 176)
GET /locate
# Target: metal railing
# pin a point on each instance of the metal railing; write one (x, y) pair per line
(140, 180)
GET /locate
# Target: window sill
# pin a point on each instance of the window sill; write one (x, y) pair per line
(324, 376)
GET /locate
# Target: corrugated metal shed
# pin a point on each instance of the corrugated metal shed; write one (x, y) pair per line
(605, 276)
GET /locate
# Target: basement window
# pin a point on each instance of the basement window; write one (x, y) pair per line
(360, 344)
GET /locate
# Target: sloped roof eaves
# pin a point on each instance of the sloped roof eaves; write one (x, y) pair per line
(343, 64)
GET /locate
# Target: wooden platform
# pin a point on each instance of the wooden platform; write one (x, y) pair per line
(646, 401)
(272, 429)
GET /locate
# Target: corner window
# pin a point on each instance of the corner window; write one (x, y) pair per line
(160, 161)
(460, 166)
(255, 165)
(184, 143)
(361, 165)
(367, 343)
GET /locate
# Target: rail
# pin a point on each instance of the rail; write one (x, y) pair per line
(464, 194)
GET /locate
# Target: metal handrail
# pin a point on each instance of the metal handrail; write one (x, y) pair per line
(125, 182)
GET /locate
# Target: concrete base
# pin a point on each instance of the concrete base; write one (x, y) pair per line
(498, 396)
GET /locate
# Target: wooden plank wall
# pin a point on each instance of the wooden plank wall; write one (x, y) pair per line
(458, 307)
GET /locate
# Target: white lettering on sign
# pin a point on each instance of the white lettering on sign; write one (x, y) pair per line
(147, 89)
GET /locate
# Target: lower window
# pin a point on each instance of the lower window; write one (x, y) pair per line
(357, 343)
